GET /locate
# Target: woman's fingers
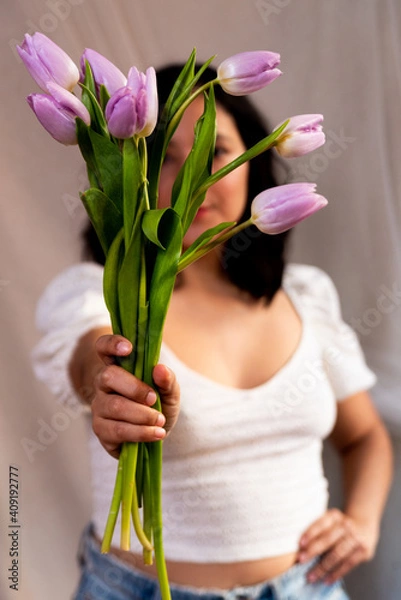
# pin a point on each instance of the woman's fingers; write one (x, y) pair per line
(110, 346)
(114, 433)
(116, 380)
(340, 543)
(118, 408)
(122, 405)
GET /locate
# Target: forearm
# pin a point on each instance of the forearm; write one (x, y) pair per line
(85, 363)
(367, 472)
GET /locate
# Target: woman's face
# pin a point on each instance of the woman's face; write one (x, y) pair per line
(225, 200)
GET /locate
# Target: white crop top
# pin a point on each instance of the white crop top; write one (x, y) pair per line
(244, 479)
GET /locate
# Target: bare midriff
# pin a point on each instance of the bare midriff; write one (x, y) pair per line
(214, 575)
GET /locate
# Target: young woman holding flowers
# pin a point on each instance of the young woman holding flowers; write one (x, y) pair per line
(257, 368)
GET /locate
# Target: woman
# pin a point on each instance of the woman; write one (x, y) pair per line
(267, 370)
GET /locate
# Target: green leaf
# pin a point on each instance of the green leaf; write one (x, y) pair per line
(186, 91)
(203, 154)
(89, 80)
(162, 285)
(98, 121)
(132, 180)
(150, 224)
(109, 165)
(104, 214)
(129, 280)
(198, 165)
(104, 97)
(85, 146)
(160, 141)
(110, 280)
(180, 90)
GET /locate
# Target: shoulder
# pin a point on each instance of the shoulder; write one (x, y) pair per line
(71, 290)
(312, 289)
(82, 274)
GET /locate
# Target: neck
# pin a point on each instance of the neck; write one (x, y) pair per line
(205, 274)
(207, 277)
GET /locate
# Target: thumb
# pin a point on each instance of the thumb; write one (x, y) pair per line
(169, 390)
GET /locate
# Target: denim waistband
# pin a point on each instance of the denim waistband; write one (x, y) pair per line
(116, 580)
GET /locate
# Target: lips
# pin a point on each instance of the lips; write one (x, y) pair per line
(202, 210)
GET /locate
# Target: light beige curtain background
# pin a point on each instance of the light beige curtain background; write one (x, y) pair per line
(340, 58)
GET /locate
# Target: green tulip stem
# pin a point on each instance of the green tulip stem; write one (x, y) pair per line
(155, 467)
(220, 239)
(147, 514)
(265, 144)
(114, 508)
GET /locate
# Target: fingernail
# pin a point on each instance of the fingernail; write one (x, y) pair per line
(160, 433)
(302, 557)
(123, 347)
(312, 578)
(161, 419)
(151, 398)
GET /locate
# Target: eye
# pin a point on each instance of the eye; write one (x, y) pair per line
(220, 150)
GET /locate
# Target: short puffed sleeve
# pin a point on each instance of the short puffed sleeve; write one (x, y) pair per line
(70, 306)
(342, 355)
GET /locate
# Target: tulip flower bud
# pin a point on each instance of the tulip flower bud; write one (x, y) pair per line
(248, 72)
(47, 63)
(104, 72)
(303, 134)
(57, 113)
(132, 110)
(279, 208)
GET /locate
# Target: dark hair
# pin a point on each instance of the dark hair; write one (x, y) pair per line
(251, 260)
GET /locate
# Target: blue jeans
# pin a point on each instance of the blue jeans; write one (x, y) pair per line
(105, 577)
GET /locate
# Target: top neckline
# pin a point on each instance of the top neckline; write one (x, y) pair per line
(274, 379)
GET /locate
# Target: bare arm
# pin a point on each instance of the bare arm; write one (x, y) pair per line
(349, 537)
(121, 404)
(365, 449)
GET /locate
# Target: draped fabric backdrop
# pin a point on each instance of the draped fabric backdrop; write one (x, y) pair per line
(340, 58)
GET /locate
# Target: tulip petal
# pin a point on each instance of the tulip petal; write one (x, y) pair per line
(277, 209)
(58, 122)
(152, 100)
(248, 71)
(132, 110)
(299, 144)
(121, 114)
(104, 71)
(136, 80)
(69, 102)
(303, 134)
(47, 62)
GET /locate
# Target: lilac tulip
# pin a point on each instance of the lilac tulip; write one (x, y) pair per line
(132, 110)
(47, 63)
(248, 72)
(279, 208)
(303, 134)
(57, 113)
(104, 72)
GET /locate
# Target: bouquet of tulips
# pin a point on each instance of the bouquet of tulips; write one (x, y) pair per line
(143, 243)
